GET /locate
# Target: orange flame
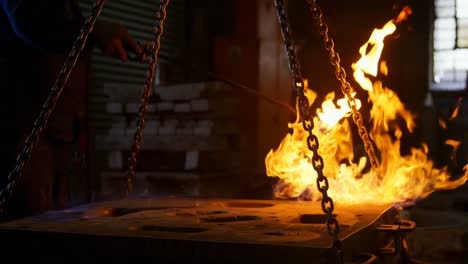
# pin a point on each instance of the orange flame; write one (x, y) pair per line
(456, 110)
(442, 124)
(454, 144)
(384, 68)
(404, 14)
(400, 178)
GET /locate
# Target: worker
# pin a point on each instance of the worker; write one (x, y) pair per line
(35, 39)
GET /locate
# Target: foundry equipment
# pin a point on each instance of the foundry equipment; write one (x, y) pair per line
(179, 230)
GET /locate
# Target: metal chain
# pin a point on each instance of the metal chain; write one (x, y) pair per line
(340, 74)
(308, 124)
(153, 56)
(49, 105)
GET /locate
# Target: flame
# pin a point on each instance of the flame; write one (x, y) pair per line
(456, 110)
(442, 124)
(384, 68)
(400, 178)
(454, 144)
(404, 14)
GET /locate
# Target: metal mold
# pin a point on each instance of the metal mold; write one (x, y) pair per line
(183, 230)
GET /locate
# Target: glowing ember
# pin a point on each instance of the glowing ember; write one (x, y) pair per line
(456, 111)
(400, 179)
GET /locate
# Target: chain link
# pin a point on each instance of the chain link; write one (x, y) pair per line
(49, 105)
(308, 125)
(153, 56)
(340, 74)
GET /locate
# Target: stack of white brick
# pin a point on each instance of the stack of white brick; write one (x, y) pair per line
(180, 120)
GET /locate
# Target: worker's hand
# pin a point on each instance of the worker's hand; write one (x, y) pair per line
(115, 41)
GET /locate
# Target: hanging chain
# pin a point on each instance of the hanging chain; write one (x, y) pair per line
(49, 105)
(340, 74)
(308, 125)
(153, 56)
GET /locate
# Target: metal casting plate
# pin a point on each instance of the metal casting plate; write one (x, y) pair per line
(177, 230)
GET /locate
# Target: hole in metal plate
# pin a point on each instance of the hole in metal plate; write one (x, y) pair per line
(173, 229)
(274, 234)
(248, 205)
(196, 213)
(236, 218)
(313, 218)
(121, 211)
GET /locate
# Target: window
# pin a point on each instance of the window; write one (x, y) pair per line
(450, 46)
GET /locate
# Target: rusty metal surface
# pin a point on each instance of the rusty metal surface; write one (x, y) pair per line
(209, 230)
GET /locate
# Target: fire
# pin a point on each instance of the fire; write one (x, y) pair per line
(456, 111)
(400, 178)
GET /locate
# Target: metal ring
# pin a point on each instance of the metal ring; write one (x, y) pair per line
(323, 188)
(317, 162)
(312, 142)
(325, 200)
(333, 227)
